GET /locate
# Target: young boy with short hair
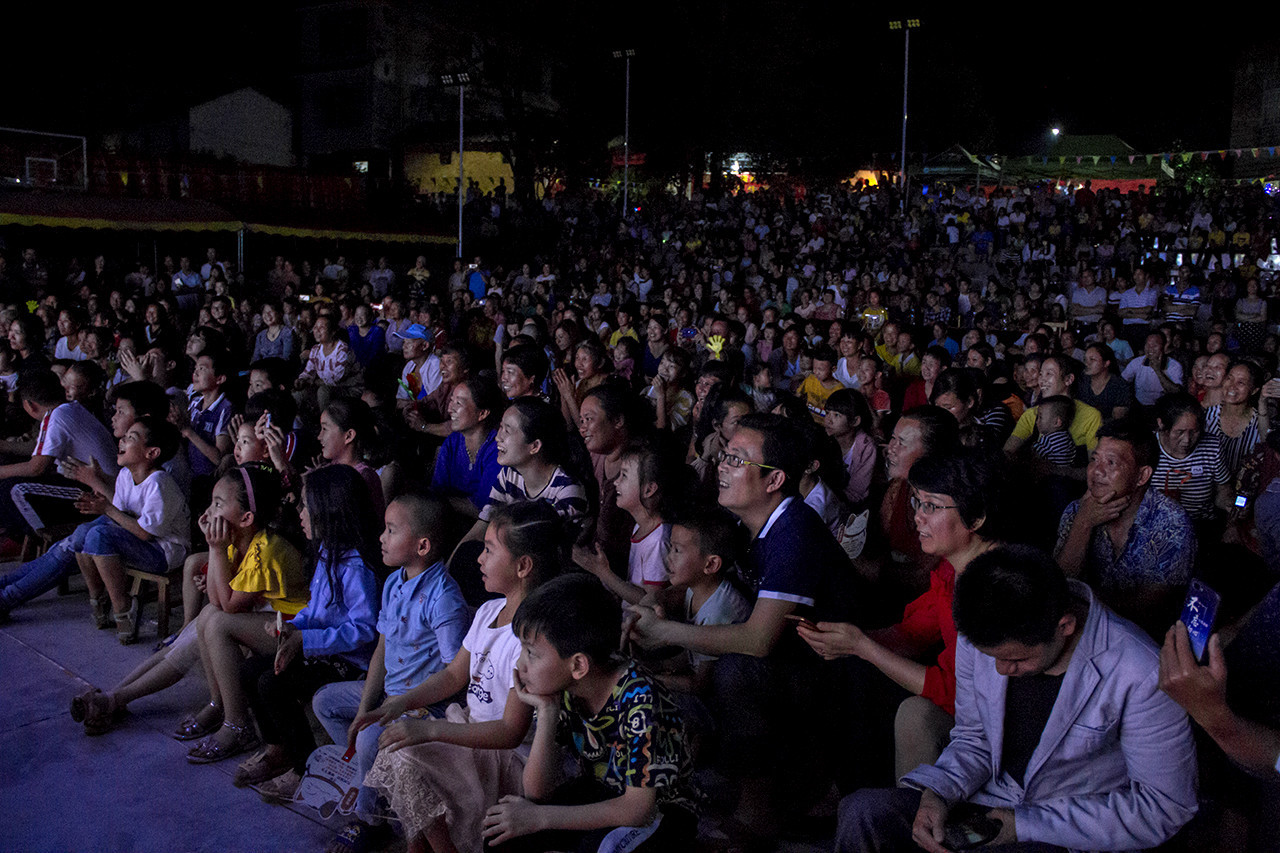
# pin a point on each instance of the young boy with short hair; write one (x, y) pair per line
(208, 413)
(820, 384)
(621, 726)
(1055, 445)
(421, 626)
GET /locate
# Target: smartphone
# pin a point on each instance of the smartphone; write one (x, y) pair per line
(1199, 612)
(802, 620)
(969, 826)
(1242, 501)
(305, 297)
(268, 416)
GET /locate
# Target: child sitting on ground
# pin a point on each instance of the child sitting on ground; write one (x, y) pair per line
(620, 725)
(1055, 445)
(441, 774)
(421, 626)
(645, 489)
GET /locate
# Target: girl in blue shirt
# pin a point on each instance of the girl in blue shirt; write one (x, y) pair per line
(331, 639)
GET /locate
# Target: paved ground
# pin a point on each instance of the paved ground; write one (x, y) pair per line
(131, 789)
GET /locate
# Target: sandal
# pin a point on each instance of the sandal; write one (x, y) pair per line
(80, 705)
(359, 837)
(209, 751)
(264, 765)
(192, 729)
(127, 625)
(102, 612)
(101, 720)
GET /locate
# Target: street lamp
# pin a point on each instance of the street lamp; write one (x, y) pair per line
(461, 79)
(907, 26)
(1055, 130)
(626, 128)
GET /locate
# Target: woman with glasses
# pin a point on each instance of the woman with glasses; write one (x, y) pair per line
(956, 501)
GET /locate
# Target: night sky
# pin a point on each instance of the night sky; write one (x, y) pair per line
(802, 79)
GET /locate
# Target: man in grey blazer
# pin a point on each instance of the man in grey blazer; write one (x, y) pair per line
(1062, 733)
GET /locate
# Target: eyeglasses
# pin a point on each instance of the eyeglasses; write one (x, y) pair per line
(737, 462)
(927, 507)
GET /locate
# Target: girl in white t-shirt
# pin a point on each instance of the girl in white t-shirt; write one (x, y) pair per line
(644, 484)
(442, 774)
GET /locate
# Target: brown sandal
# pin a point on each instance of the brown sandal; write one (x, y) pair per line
(209, 751)
(192, 729)
(100, 714)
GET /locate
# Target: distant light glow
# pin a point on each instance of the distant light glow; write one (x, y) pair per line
(1056, 131)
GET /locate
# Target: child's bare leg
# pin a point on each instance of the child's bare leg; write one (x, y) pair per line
(210, 675)
(192, 597)
(91, 578)
(436, 840)
(111, 570)
(159, 677)
(224, 634)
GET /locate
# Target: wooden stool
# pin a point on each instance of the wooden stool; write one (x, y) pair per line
(38, 544)
(162, 583)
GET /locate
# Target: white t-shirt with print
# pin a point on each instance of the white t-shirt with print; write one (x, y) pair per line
(494, 652)
(161, 510)
(646, 564)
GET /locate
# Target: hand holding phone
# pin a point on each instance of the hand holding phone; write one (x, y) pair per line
(1199, 613)
(801, 620)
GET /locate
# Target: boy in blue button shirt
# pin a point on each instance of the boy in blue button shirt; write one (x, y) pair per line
(420, 629)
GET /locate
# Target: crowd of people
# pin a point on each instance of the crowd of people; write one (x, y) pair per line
(717, 509)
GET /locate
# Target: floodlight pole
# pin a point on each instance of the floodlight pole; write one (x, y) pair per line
(626, 129)
(461, 188)
(907, 25)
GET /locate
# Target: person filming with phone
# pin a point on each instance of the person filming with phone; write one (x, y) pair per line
(1062, 738)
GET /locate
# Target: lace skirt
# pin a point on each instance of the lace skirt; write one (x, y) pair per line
(434, 780)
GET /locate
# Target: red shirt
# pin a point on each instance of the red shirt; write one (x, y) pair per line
(927, 620)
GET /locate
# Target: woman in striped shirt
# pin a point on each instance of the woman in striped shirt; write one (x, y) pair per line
(1240, 421)
(1191, 470)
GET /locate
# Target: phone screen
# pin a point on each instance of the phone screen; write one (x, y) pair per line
(1199, 613)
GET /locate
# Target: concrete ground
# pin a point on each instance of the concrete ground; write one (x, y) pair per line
(131, 789)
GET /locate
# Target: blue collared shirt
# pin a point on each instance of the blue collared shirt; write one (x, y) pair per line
(344, 627)
(423, 621)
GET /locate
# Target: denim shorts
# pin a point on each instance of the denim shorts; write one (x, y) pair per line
(105, 538)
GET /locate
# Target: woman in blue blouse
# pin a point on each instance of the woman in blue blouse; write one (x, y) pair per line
(467, 464)
(276, 339)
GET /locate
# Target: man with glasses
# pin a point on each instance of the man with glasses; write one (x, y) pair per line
(764, 674)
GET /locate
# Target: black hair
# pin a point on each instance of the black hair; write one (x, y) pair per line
(279, 403)
(599, 354)
(427, 519)
(1134, 432)
(342, 520)
(939, 354)
(972, 479)
(825, 353)
(162, 435)
(541, 421)
(1067, 366)
(348, 413)
(1106, 353)
(939, 430)
(218, 359)
(958, 381)
(488, 397)
(619, 404)
(1012, 593)
(1059, 406)
(575, 614)
(656, 464)
(277, 369)
(532, 529)
(267, 492)
(1170, 407)
(146, 398)
(782, 447)
(717, 532)
(853, 405)
(41, 387)
(531, 360)
(825, 450)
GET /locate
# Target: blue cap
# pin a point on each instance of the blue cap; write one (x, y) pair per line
(416, 332)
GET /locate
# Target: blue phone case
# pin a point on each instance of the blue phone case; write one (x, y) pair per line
(1199, 612)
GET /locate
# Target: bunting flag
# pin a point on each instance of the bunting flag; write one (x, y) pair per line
(1255, 151)
(1238, 152)
(1148, 159)
(1096, 158)
(1078, 159)
(1187, 155)
(1113, 159)
(1204, 155)
(1272, 151)
(1062, 160)
(1222, 153)
(1044, 161)
(1133, 157)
